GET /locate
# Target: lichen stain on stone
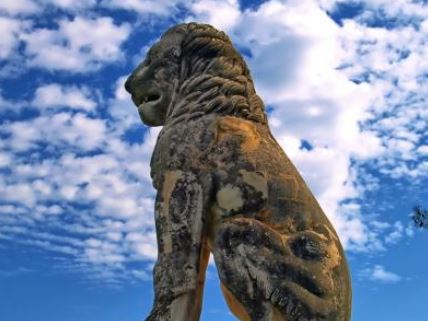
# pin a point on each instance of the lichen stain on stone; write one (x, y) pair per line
(232, 126)
(291, 186)
(230, 198)
(170, 178)
(275, 315)
(181, 307)
(332, 234)
(334, 256)
(256, 180)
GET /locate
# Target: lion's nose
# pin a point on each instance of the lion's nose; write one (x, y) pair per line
(137, 79)
(128, 84)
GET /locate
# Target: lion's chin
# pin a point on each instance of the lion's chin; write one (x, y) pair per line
(150, 115)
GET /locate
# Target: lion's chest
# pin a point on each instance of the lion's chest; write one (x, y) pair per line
(183, 147)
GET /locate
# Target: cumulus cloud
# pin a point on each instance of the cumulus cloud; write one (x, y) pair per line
(54, 95)
(74, 130)
(9, 35)
(399, 10)
(77, 171)
(70, 4)
(155, 7)
(220, 14)
(402, 8)
(122, 109)
(77, 45)
(378, 273)
(19, 7)
(109, 207)
(392, 62)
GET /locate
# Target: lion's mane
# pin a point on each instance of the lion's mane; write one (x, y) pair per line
(213, 77)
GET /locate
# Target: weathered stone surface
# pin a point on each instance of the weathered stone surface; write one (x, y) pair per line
(225, 186)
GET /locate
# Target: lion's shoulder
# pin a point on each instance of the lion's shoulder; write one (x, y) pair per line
(184, 146)
(232, 128)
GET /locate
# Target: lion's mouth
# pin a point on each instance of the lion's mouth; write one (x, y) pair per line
(150, 99)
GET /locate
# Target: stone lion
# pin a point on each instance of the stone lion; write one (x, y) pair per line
(225, 186)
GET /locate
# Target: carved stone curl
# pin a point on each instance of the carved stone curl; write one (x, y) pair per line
(225, 186)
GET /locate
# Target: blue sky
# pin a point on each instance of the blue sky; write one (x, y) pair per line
(346, 87)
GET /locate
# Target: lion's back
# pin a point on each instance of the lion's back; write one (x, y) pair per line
(247, 156)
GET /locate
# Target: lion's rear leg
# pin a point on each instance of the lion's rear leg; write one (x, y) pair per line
(240, 282)
(263, 281)
(238, 309)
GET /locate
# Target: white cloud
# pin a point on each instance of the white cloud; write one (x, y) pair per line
(75, 130)
(18, 193)
(399, 9)
(15, 7)
(5, 160)
(77, 45)
(54, 95)
(155, 7)
(9, 35)
(423, 150)
(221, 14)
(70, 4)
(392, 61)
(144, 245)
(380, 274)
(396, 234)
(121, 108)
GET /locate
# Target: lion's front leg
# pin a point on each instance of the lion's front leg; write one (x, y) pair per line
(180, 269)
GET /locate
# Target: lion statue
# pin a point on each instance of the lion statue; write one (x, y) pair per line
(225, 186)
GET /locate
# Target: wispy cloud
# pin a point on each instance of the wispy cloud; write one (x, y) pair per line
(15, 272)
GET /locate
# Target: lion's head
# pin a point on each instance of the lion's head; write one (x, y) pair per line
(192, 71)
